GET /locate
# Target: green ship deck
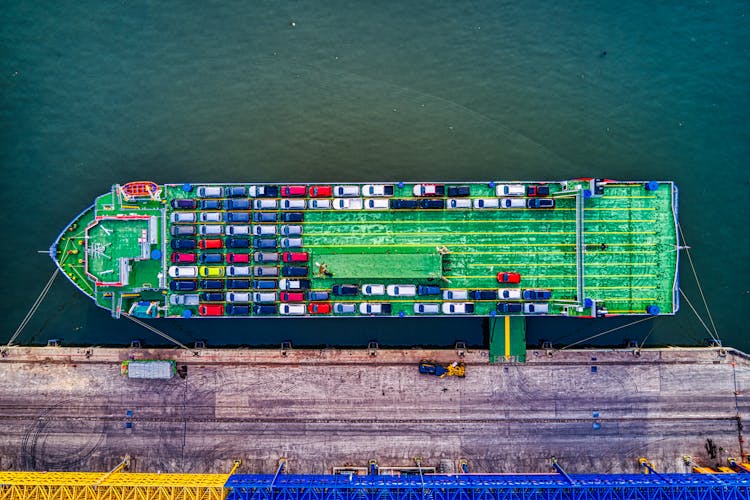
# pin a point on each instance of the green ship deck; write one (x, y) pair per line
(606, 248)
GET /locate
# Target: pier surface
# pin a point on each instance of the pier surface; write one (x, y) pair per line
(595, 411)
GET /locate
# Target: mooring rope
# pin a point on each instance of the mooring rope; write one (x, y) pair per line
(715, 337)
(34, 307)
(158, 332)
(608, 331)
(698, 282)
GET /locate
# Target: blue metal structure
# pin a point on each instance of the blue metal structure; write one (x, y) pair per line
(490, 487)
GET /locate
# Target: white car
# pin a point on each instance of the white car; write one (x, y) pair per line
(401, 290)
(374, 308)
(209, 192)
(254, 191)
(513, 203)
(183, 217)
(510, 190)
(191, 299)
(347, 191)
(377, 190)
(486, 203)
(459, 203)
(347, 203)
(264, 297)
(261, 229)
(238, 230)
(296, 204)
(291, 242)
(292, 309)
(238, 270)
(373, 289)
(425, 190)
(376, 204)
(211, 217)
(183, 271)
(238, 297)
(287, 284)
(509, 293)
(264, 204)
(455, 294)
(291, 230)
(458, 308)
(535, 308)
(320, 204)
(210, 230)
(421, 308)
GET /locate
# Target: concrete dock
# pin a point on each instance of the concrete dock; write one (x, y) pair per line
(595, 411)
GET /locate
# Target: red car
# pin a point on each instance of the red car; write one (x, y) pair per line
(183, 257)
(319, 308)
(204, 244)
(292, 296)
(321, 191)
(292, 190)
(509, 277)
(238, 258)
(295, 256)
(211, 310)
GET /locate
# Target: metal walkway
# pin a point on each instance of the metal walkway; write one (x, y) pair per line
(491, 487)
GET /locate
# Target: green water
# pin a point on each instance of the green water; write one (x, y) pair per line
(95, 93)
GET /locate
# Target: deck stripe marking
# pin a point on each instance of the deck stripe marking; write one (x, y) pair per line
(507, 337)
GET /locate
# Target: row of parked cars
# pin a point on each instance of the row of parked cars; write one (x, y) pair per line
(189, 285)
(237, 258)
(364, 308)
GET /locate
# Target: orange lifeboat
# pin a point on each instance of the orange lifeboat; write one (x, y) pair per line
(140, 189)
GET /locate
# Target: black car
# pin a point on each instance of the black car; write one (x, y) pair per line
(238, 243)
(509, 307)
(267, 192)
(345, 289)
(183, 204)
(263, 310)
(182, 285)
(294, 271)
(212, 284)
(182, 244)
(483, 294)
(404, 204)
(455, 191)
(234, 310)
(238, 284)
(292, 217)
(211, 297)
(431, 203)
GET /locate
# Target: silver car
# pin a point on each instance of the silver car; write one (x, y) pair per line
(293, 204)
(264, 297)
(238, 230)
(291, 242)
(238, 297)
(191, 299)
(291, 230)
(211, 230)
(421, 308)
(455, 294)
(265, 271)
(264, 204)
(340, 308)
(209, 192)
(535, 308)
(183, 217)
(264, 229)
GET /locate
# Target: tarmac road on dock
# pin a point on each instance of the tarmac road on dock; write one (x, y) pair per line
(592, 410)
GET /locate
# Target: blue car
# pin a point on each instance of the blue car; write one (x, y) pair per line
(428, 290)
(238, 243)
(238, 284)
(212, 284)
(238, 216)
(265, 216)
(431, 204)
(182, 285)
(292, 217)
(234, 310)
(345, 289)
(509, 307)
(211, 297)
(264, 243)
(235, 191)
(261, 310)
(317, 295)
(540, 203)
(537, 294)
(210, 204)
(182, 244)
(404, 204)
(265, 284)
(238, 204)
(183, 204)
(211, 258)
(294, 271)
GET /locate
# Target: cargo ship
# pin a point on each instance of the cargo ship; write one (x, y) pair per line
(578, 248)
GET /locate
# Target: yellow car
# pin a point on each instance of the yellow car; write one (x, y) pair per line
(211, 272)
